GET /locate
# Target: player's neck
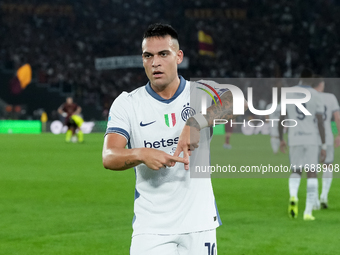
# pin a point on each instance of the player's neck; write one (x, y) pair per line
(167, 91)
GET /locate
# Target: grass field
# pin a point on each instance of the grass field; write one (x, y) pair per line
(56, 198)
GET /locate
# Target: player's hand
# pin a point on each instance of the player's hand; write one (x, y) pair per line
(157, 159)
(188, 141)
(283, 146)
(337, 141)
(323, 155)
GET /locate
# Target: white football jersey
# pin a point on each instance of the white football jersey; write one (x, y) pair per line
(331, 105)
(167, 201)
(274, 125)
(305, 133)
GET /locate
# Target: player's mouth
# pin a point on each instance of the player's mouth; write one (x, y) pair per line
(157, 74)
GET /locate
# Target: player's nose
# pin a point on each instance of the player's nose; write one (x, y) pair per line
(156, 61)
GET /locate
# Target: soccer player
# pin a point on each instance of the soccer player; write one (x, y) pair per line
(331, 109)
(67, 110)
(303, 145)
(174, 214)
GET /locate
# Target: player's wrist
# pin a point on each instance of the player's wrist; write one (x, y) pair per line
(198, 121)
(139, 154)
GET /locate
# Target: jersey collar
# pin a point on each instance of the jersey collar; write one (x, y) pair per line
(304, 85)
(161, 99)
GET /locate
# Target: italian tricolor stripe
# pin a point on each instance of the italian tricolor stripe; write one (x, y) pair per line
(170, 119)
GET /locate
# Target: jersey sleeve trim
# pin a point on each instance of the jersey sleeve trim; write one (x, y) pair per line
(336, 110)
(119, 131)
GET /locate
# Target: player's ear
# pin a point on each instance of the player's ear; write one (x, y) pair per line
(180, 56)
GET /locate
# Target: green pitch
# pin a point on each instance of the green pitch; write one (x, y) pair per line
(56, 198)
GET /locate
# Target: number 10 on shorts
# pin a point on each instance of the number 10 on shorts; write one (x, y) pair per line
(211, 248)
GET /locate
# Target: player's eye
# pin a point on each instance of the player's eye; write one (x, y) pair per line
(147, 55)
(164, 54)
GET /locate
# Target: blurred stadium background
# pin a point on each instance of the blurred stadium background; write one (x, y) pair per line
(57, 199)
(62, 40)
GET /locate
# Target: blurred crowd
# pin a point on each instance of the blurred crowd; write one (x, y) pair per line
(273, 39)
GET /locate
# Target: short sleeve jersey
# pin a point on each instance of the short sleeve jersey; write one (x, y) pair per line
(69, 108)
(167, 201)
(305, 133)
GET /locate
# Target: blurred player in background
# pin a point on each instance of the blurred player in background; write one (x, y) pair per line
(331, 109)
(228, 131)
(303, 142)
(70, 111)
(174, 214)
(274, 126)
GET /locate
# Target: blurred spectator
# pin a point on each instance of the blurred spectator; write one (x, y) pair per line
(274, 37)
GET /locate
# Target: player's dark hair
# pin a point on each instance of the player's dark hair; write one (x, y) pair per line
(306, 76)
(160, 30)
(317, 79)
(306, 73)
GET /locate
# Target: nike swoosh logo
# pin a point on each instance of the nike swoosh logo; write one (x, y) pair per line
(146, 124)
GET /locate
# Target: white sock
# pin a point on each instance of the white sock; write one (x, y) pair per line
(294, 184)
(327, 178)
(317, 192)
(312, 186)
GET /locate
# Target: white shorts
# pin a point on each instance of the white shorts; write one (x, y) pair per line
(302, 155)
(198, 243)
(330, 154)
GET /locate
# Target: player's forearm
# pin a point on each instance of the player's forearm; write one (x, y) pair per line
(321, 128)
(281, 129)
(121, 158)
(218, 111)
(221, 111)
(214, 112)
